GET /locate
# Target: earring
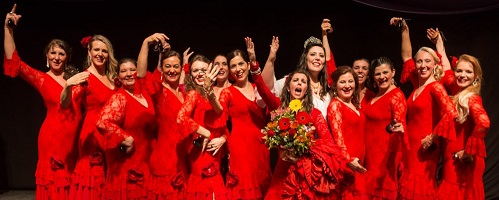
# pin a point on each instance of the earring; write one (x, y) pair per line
(393, 81)
(475, 82)
(48, 66)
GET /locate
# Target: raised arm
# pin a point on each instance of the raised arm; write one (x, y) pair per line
(185, 64)
(436, 37)
(144, 51)
(406, 48)
(8, 42)
(268, 73)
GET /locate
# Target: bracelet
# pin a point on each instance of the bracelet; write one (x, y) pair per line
(210, 94)
(255, 68)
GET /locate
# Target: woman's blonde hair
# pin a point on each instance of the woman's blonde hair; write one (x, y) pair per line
(461, 98)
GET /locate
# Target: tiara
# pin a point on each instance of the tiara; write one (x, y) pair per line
(312, 40)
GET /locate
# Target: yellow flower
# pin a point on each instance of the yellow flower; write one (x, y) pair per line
(295, 105)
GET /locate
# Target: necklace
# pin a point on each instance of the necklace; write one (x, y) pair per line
(315, 88)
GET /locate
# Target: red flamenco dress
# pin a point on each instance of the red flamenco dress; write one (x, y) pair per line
(383, 150)
(347, 127)
(205, 179)
(89, 174)
(168, 162)
(127, 174)
(249, 164)
(57, 136)
(278, 188)
(462, 180)
(430, 112)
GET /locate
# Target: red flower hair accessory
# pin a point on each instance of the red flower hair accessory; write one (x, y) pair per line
(453, 62)
(84, 41)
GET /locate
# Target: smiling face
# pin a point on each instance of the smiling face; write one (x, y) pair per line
(464, 74)
(127, 75)
(425, 63)
(315, 59)
(345, 86)
(56, 57)
(171, 69)
(198, 70)
(98, 53)
(239, 68)
(383, 75)
(221, 62)
(361, 67)
(298, 85)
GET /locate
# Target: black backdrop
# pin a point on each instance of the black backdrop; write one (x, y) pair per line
(360, 30)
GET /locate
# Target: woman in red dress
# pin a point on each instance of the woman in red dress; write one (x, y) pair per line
(342, 114)
(128, 123)
(464, 157)
(298, 88)
(200, 115)
(249, 175)
(91, 92)
(430, 113)
(384, 147)
(168, 162)
(57, 136)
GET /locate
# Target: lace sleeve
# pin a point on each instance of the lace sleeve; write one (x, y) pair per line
(330, 67)
(448, 113)
(268, 97)
(399, 111)
(185, 113)
(111, 119)
(15, 66)
(335, 122)
(150, 83)
(409, 73)
(475, 145)
(11, 66)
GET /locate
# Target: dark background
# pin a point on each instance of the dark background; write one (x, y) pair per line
(361, 29)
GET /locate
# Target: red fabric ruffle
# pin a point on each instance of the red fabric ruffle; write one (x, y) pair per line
(318, 174)
(446, 127)
(166, 187)
(476, 146)
(409, 73)
(416, 187)
(11, 66)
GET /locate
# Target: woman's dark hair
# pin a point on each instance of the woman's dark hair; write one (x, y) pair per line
(307, 102)
(167, 54)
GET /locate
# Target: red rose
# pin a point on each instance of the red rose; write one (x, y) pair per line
(84, 41)
(270, 133)
(210, 170)
(284, 123)
(232, 179)
(56, 163)
(292, 132)
(135, 175)
(302, 117)
(178, 180)
(454, 62)
(96, 159)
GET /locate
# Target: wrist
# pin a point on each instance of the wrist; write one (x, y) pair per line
(255, 68)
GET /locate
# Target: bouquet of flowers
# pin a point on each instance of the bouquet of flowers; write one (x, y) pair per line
(290, 129)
